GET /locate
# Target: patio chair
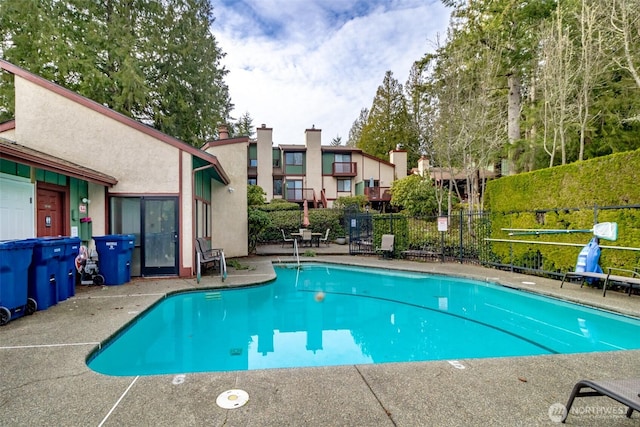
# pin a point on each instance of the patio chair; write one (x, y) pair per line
(626, 392)
(307, 235)
(386, 246)
(286, 239)
(325, 239)
(208, 257)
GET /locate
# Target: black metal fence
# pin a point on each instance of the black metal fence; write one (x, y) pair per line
(478, 238)
(459, 237)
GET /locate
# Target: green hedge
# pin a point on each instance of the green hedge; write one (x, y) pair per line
(568, 197)
(603, 181)
(290, 221)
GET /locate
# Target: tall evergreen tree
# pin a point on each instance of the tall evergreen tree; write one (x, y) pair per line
(356, 128)
(193, 98)
(336, 142)
(418, 108)
(154, 60)
(244, 126)
(388, 125)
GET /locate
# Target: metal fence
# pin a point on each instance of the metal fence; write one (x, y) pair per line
(477, 238)
(458, 237)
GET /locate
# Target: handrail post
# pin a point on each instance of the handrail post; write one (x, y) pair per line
(461, 249)
(198, 271)
(223, 266)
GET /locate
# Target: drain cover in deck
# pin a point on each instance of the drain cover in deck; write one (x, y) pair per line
(232, 399)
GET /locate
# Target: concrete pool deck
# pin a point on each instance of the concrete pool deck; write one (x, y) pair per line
(45, 380)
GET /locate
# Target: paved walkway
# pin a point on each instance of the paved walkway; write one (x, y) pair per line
(45, 380)
(287, 250)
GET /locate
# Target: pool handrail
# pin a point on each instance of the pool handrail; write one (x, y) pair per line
(296, 252)
(223, 266)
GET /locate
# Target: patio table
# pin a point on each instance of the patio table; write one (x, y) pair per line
(315, 237)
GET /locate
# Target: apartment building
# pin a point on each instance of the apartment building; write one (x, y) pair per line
(320, 173)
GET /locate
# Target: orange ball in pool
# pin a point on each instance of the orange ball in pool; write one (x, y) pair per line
(319, 297)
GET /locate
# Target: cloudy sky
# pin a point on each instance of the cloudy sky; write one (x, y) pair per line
(298, 63)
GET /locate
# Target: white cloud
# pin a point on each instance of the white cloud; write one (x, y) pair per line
(293, 64)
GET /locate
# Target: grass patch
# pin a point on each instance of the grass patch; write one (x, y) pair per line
(236, 265)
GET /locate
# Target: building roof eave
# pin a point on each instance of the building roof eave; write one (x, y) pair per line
(12, 151)
(112, 114)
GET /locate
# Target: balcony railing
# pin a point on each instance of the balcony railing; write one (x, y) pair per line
(344, 169)
(299, 195)
(378, 194)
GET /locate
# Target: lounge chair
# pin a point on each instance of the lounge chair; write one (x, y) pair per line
(426, 251)
(607, 278)
(208, 257)
(325, 239)
(286, 239)
(386, 245)
(626, 392)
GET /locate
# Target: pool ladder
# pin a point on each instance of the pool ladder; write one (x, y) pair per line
(223, 267)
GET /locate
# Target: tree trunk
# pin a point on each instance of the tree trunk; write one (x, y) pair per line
(513, 113)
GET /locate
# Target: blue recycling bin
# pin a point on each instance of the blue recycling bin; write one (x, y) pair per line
(66, 280)
(114, 257)
(15, 259)
(44, 272)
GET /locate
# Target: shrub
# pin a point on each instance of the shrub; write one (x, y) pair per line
(291, 221)
(258, 222)
(255, 195)
(279, 205)
(349, 202)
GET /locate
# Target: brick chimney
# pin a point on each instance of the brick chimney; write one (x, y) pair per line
(223, 132)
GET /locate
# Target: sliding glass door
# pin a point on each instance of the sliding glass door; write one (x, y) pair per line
(154, 222)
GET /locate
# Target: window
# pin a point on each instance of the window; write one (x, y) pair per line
(253, 155)
(294, 190)
(344, 185)
(252, 181)
(293, 159)
(277, 187)
(343, 158)
(342, 163)
(203, 218)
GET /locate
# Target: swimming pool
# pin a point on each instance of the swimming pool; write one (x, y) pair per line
(366, 316)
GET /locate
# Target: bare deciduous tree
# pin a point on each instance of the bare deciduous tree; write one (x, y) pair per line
(557, 81)
(590, 66)
(625, 25)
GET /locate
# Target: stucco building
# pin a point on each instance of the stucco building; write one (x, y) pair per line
(320, 173)
(71, 166)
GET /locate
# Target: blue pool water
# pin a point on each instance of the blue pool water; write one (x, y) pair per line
(367, 316)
